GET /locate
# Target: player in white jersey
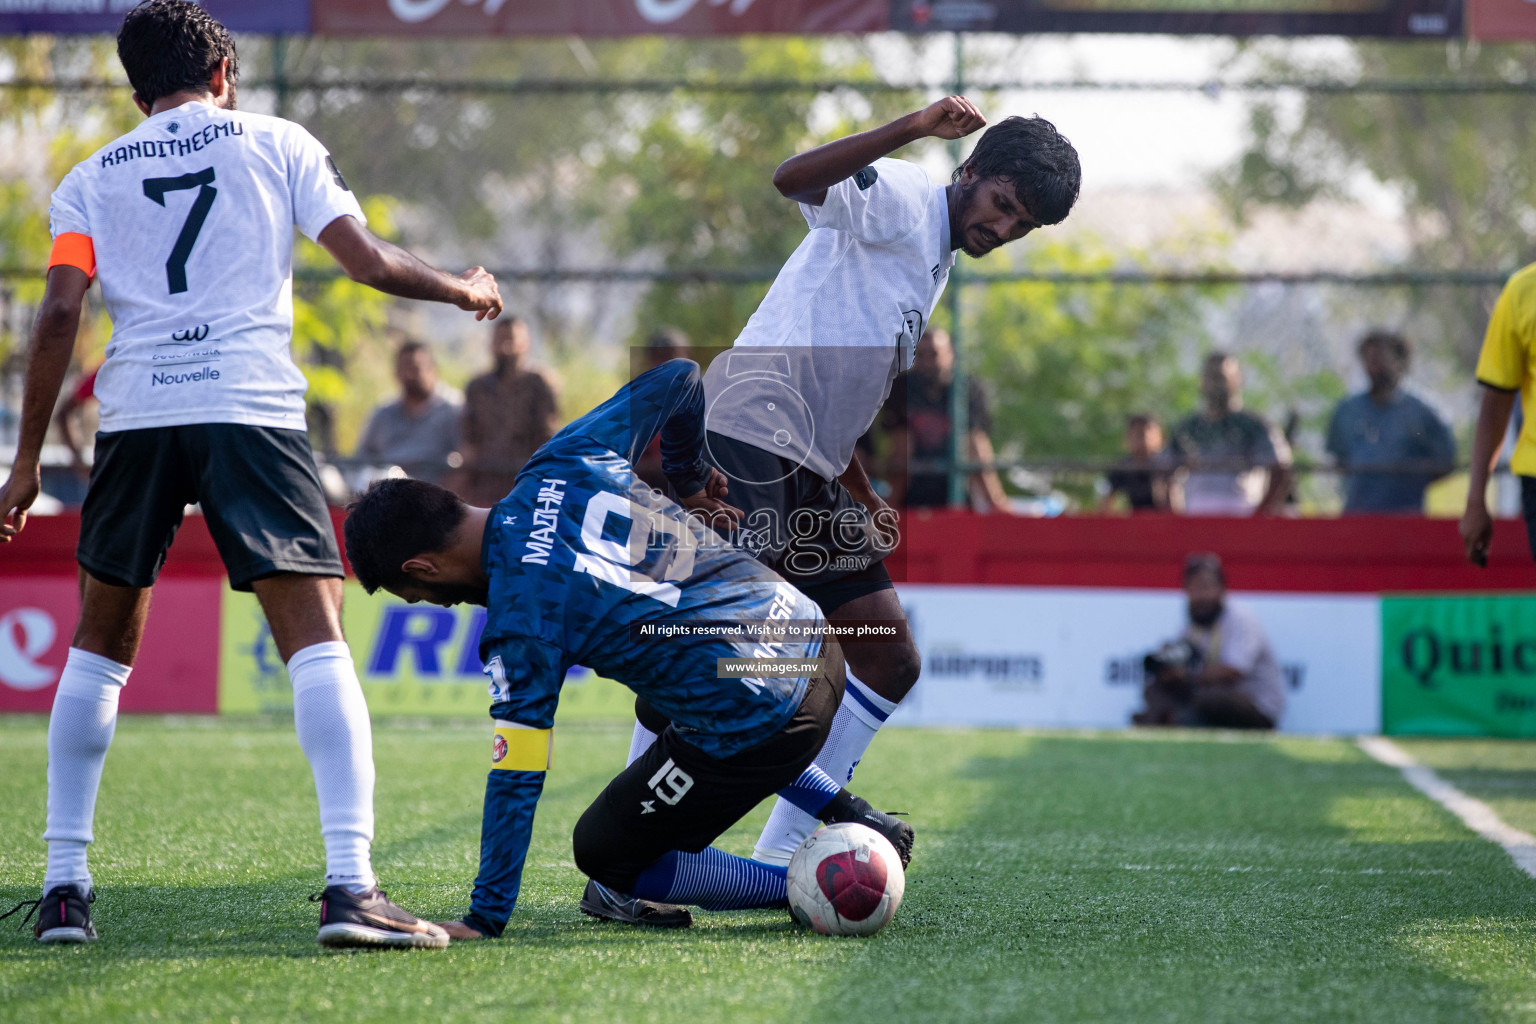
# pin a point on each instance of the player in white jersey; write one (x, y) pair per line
(188, 223)
(813, 366)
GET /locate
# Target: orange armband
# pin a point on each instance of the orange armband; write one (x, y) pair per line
(72, 249)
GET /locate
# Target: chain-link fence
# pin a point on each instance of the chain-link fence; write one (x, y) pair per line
(617, 187)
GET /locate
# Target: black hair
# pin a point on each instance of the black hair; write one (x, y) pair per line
(1037, 160)
(397, 520)
(1141, 421)
(171, 46)
(1204, 562)
(1389, 340)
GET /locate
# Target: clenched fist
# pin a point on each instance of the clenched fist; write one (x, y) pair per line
(953, 117)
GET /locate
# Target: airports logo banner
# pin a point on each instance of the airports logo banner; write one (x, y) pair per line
(1072, 657)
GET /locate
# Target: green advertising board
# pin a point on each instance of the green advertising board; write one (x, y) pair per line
(416, 660)
(1459, 665)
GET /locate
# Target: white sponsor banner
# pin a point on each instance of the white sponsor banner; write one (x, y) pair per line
(1071, 657)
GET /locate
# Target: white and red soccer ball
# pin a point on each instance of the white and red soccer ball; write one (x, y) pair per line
(845, 879)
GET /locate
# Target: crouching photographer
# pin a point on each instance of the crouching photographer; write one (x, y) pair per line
(1219, 672)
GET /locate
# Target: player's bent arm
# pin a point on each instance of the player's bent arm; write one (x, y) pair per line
(49, 351)
(856, 482)
(1492, 421)
(368, 259)
(526, 674)
(805, 177)
(511, 794)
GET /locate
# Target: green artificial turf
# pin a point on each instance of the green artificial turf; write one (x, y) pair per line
(1058, 877)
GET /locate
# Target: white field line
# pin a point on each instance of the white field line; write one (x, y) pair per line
(1476, 815)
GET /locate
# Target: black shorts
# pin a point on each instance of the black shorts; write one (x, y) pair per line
(675, 797)
(259, 491)
(805, 528)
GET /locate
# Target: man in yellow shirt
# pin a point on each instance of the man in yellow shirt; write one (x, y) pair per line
(1506, 369)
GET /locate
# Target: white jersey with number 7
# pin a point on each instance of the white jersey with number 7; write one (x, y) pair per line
(188, 222)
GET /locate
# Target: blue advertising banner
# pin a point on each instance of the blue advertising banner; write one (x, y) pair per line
(65, 17)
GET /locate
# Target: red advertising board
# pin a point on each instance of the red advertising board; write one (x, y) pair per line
(178, 664)
(597, 17)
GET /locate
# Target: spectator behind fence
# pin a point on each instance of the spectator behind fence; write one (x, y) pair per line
(1220, 671)
(508, 414)
(419, 431)
(1236, 463)
(664, 345)
(1142, 475)
(918, 423)
(1390, 444)
(1506, 369)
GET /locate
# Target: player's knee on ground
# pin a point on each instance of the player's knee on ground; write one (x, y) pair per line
(649, 717)
(598, 853)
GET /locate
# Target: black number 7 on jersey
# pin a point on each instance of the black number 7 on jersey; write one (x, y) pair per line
(156, 189)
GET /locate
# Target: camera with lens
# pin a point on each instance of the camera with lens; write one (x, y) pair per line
(1175, 655)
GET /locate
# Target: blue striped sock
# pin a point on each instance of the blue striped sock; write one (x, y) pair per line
(713, 880)
(812, 791)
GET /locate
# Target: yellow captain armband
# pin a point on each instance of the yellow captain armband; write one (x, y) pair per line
(521, 748)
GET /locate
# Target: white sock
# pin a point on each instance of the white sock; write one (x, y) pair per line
(639, 743)
(858, 718)
(332, 720)
(79, 732)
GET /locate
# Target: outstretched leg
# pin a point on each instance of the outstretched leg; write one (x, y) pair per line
(879, 676)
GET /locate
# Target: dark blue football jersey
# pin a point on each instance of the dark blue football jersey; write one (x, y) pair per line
(590, 566)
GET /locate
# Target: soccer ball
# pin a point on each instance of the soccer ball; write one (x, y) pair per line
(845, 879)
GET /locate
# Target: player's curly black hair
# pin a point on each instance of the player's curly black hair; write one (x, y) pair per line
(1036, 159)
(169, 46)
(396, 520)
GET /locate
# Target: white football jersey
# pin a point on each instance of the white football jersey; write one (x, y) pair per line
(191, 219)
(815, 363)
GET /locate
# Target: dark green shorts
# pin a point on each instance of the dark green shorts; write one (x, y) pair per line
(259, 491)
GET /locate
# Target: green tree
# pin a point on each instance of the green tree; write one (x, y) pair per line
(1464, 165)
(697, 177)
(1066, 363)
